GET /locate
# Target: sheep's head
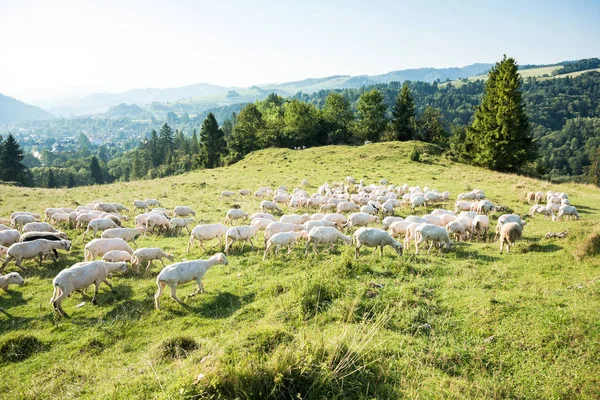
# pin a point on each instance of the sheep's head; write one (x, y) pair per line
(65, 245)
(398, 247)
(221, 259)
(170, 257)
(15, 278)
(3, 250)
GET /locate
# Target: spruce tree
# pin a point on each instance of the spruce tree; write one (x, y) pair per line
(166, 140)
(96, 171)
(212, 142)
(51, 182)
(500, 137)
(371, 112)
(154, 150)
(11, 157)
(403, 122)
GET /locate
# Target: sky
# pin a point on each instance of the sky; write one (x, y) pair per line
(62, 48)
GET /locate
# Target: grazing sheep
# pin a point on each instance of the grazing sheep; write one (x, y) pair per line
(509, 234)
(284, 239)
(262, 223)
(417, 201)
(435, 234)
(462, 206)
(127, 234)
(12, 278)
(9, 236)
(61, 218)
(263, 215)
(245, 192)
(388, 221)
(38, 227)
(156, 220)
(117, 256)
(398, 228)
(99, 247)
(339, 219)
(140, 205)
(481, 224)
(206, 232)
(360, 219)
(235, 214)
(4, 227)
(149, 254)
(183, 211)
(374, 237)
(37, 248)
(31, 236)
(294, 218)
(243, 233)
(277, 227)
(539, 196)
(184, 272)
(266, 205)
(309, 225)
(530, 197)
(503, 219)
(323, 235)
(22, 219)
(105, 207)
(433, 219)
(569, 211)
(226, 193)
(79, 277)
(346, 206)
(457, 230)
(100, 224)
(177, 225)
(153, 203)
(484, 207)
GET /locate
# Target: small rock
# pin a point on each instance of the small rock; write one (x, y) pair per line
(80, 304)
(489, 339)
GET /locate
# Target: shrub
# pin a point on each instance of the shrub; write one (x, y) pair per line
(178, 347)
(20, 348)
(589, 248)
(415, 155)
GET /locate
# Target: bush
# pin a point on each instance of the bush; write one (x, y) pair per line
(589, 248)
(315, 299)
(178, 347)
(20, 348)
(415, 155)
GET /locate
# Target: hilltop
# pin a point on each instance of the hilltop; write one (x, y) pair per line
(467, 323)
(13, 110)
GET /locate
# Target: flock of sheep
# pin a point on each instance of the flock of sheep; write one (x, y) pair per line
(336, 210)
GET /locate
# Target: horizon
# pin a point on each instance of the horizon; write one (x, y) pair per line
(240, 45)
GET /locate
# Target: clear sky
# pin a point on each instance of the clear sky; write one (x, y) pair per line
(53, 48)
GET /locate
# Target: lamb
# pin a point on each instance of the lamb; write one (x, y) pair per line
(269, 205)
(435, 234)
(177, 225)
(397, 228)
(346, 206)
(387, 221)
(360, 219)
(127, 234)
(417, 201)
(183, 211)
(484, 206)
(100, 224)
(21, 220)
(206, 232)
(234, 214)
(140, 205)
(243, 233)
(153, 203)
(149, 254)
(339, 219)
(569, 211)
(9, 236)
(323, 235)
(509, 234)
(79, 277)
(457, 230)
(277, 227)
(183, 272)
(156, 220)
(12, 278)
(117, 256)
(37, 248)
(462, 206)
(374, 237)
(481, 224)
(226, 193)
(61, 218)
(284, 239)
(262, 223)
(294, 218)
(99, 247)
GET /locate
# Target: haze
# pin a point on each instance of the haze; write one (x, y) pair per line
(65, 48)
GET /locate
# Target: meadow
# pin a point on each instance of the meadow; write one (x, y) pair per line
(468, 323)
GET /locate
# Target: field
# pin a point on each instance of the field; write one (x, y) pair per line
(525, 73)
(469, 323)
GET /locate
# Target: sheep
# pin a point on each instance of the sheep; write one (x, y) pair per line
(100, 224)
(183, 211)
(37, 248)
(539, 196)
(414, 218)
(12, 278)
(149, 254)
(120, 207)
(127, 234)
(569, 211)
(346, 206)
(506, 218)
(4, 227)
(60, 217)
(434, 219)
(294, 218)
(284, 239)
(309, 225)
(484, 206)
(263, 215)
(9, 236)
(31, 236)
(481, 224)
(3, 250)
(387, 221)
(234, 214)
(360, 219)
(21, 220)
(153, 203)
(435, 234)
(317, 217)
(266, 205)
(226, 193)
(98, 247)
(79, 277)
(462, 206)
(184, 272)
(339, 219)
(105, 207)
(544, 210)
(17, 213)
(397, 228)
(156, 220)
(417, 201)
(281, 198)
(374, 237)
(323, 235)
(304, 182)
(243, 233)
(457, 230)
(177, 225)
(262, 223)
(530, 197)
(206, 232)
(509, 234)
(38, 227)
(277, 227)
(369, 209)
(140, 205)
(117, 256)
(84, 219)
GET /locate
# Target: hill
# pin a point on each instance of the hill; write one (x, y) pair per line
(13, 110)
(466, 323)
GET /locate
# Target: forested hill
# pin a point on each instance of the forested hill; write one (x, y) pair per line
(13, 110)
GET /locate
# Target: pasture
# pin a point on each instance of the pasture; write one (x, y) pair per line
(465, 323)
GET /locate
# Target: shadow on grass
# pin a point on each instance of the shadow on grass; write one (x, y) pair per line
(464, 253)
(217, 306)
(541, 248)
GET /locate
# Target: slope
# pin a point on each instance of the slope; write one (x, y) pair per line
(13, 110)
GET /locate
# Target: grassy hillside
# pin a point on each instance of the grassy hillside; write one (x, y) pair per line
(13, 110)
(467, 323)
(525, 73)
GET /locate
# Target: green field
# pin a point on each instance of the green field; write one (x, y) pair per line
(525, 73)
(469, 323)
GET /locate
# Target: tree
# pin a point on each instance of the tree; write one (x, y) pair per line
(500, 134)
(227, 127)
(96, 171)
(166, 141)
(301, 121)
(338, 117)
(431, 126)
(593, 170)
(371, 111)
(51, 182)
(70, 180)
(212, 142)
(11, 157)
(154, 149)
(244, 137)
(403, 121)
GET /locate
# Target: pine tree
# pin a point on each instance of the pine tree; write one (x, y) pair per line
(96, 171)
(593, 170)
(194, 146)
(11, 167)
(51, 182)
(403, 122)
(212, 142)
(500, 136)
(166, 141)
(371, 112)
(154, 150)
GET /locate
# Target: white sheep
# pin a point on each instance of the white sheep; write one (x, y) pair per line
(140, 205)
(266, 205)
(177, 225)
(243, 233)
(79, 277)
(183, 211)
(12, 278)
(435, 234)
(503, 219)
(397, 228)
(100, 224)
(360, 219)
(262, 223)
(156, 220)
(127, 234)
(277, 227)
(9, 236)
(462, 206)
(36, 248)
(184, 272)
(457, 230)
(284, 239)
(22, 219)
(569, 211)
(4, 227)
(346, 206)
(206, 232)
(481, 224)
(374, 237)
(149, 254)
(235, 214)
(484, 206)
(244, 192)
(263, 215)
(105, 207)
(117, 256)
(325, 235)
(61, 218)
(99, 247)
(153, 203)
(226, 193)
(509, 234)
(417, 201)
(339, 219)
(294, 218)
(309, 225)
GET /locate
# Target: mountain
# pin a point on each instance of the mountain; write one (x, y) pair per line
(13, 110)
(221, 95)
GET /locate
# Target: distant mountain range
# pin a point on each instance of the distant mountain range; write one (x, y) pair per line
(13, 110)
(219, 95)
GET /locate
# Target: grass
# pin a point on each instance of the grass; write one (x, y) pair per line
(467, 323)
(525, 73)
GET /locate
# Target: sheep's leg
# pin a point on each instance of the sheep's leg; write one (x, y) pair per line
(148, 265)
(134, 243)
(174, 294)
(97, 286)
(161, 287)
(201, 244)
(357, 251)
(430, 246)
(161, 262)
(243, 245)
(190, 244)
(109, 285)
(251, 244)
(200, 289)
(289, 249)
(381, 250)
(57, 303)
(307, 245)
(266, 251)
